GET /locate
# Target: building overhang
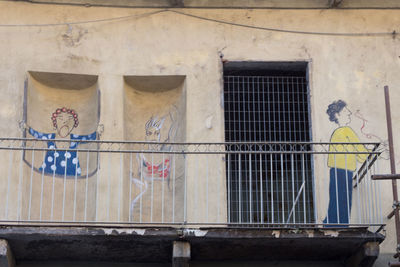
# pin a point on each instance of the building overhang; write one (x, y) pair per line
(155, 244)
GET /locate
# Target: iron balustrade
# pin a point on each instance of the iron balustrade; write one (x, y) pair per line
(150, 183)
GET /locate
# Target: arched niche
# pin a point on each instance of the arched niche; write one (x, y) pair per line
(62, 111)
(155, 110)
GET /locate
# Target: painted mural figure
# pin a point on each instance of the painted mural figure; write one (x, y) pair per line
(342, 166)
(155, 166)
(60, 162)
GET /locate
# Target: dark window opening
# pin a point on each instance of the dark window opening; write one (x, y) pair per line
(268, 102)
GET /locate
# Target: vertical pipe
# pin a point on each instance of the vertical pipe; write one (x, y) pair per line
(392, 165)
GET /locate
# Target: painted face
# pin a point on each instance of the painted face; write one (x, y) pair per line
(65, 124)
(153, 134)
(344, 117)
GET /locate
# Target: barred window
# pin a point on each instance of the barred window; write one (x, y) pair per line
(268, 102)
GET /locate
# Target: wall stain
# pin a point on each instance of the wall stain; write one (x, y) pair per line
(73, 36)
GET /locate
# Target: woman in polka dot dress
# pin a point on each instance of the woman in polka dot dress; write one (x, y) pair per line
(64, 162)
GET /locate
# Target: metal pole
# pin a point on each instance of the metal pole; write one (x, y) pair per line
(392, 166)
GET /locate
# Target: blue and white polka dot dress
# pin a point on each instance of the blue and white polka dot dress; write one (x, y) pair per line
(61, 162)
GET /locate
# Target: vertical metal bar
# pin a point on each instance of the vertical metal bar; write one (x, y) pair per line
(185, 192)
(196, 192)
(376, 208)
(337, 194)
(304, 190)
(207, 189)
(282, 191)
(293, 198)
(379, 195)
(86, 184)
(53, 185)
(240, 188)
(261, 191)
(65, 185)
(162, 187)
(130, 185)
(30, 186)
(152, 188)
(141, 158)
(75, 189)
(42, 187)
(173, 188)
(255, 101)
(20, 188)
(368, 182)
(120, 187)
(347, 189)
(392, 164)
(10, 164)
(250, 191)
(229, 188)
(358, 198)
(109, 187)
(97, 186)
(272, 189)
(327, 180)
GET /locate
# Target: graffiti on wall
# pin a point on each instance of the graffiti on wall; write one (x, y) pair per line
(342, 166)
(61, 161)
(155, 167)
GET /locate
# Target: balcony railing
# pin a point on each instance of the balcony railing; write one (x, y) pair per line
(174, 184)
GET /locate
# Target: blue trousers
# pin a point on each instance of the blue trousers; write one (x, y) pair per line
(339, 208)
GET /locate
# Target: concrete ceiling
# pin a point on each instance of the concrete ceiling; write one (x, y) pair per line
(318, 4)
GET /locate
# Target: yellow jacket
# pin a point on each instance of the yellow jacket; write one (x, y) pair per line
(346, 134)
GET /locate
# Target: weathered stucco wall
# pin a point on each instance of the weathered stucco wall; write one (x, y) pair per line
(350, 68)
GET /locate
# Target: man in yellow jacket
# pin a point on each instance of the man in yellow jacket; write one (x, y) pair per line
(341, 164)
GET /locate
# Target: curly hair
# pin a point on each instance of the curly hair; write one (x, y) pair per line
(334, 108)
(64, 110)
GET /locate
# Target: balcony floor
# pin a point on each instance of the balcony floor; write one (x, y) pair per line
(154, 244)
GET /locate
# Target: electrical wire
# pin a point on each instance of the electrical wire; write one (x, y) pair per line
(358, 34)
(286, 31)
(85, 21)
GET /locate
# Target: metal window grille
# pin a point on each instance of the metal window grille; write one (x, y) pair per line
(267, 188)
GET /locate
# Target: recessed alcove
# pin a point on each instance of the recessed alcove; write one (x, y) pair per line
(66, 107)
(155, 110)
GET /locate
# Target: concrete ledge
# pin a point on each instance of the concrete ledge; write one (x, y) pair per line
(155, 244)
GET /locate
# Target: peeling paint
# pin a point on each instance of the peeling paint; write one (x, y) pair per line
(276, 233)
(331, 233)
(310, 233)
(129, 231)
(197, 233)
